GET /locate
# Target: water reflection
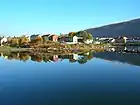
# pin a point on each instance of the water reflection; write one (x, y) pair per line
(118, 54)
(123, 49)
(123, 54)
(47, 57)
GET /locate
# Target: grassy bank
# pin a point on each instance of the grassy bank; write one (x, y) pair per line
(13, 49)
(56, 48)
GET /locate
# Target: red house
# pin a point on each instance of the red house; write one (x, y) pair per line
(53, 38)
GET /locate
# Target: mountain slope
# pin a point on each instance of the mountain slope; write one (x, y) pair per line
(130, 28)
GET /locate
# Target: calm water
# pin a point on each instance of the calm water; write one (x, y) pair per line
(85, 79)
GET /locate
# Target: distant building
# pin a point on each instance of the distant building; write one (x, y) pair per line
(97, 42)
(71, 39)
(53, 38)
(3, 40)
(88, 41)
(34, 37)
(45, 37)
(133, 40)
(125, 39)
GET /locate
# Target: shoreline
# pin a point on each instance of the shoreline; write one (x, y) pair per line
(86, 48)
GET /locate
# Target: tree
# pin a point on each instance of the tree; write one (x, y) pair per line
(85, 35)
(23, 40)
(72, 34)
(82, 60)
(14, 41)
(89, 37)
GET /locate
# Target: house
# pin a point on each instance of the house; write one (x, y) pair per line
(50, 37)
(120, 40)
(53, 38)
(97, 42)
(133, 40)
(88, 41)
(71, 39)
(55, 58)
(28, 37)
(34, 37)
(112, 40)
(45, 37)
(3, 40)
(125, 39)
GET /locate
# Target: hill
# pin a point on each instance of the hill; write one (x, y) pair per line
(129, 28)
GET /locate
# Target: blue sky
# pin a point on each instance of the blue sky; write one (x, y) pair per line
(61, 16)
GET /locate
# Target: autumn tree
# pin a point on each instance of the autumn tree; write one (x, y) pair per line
(72, 34)
(14, 41)
(23, 40)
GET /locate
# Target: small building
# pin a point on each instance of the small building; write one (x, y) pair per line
(97, 42)
(125, 39)
(88, 41)
(120, 40)
(34, 37)
(71, 40)
(3, 40)
(53, 38)
(112, 40)
(45, 37)
(133, 40)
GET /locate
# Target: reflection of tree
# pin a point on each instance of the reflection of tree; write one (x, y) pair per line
(46, 58)
(85, 57)
(13, 55)
(24, 57)
(37, 58)
(72, 60)
(82, 60)
(90, 56)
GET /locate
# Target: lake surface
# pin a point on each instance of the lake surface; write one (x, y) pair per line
(76, 79)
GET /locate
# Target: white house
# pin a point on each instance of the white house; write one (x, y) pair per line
(88, 41)
(113, 40)
(125, 39)
(71, 40)
(132, 40)
(97, 42)
(3, 40)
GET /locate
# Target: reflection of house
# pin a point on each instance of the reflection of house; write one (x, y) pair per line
(75, 56)
(72, 56)
(55, 58)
